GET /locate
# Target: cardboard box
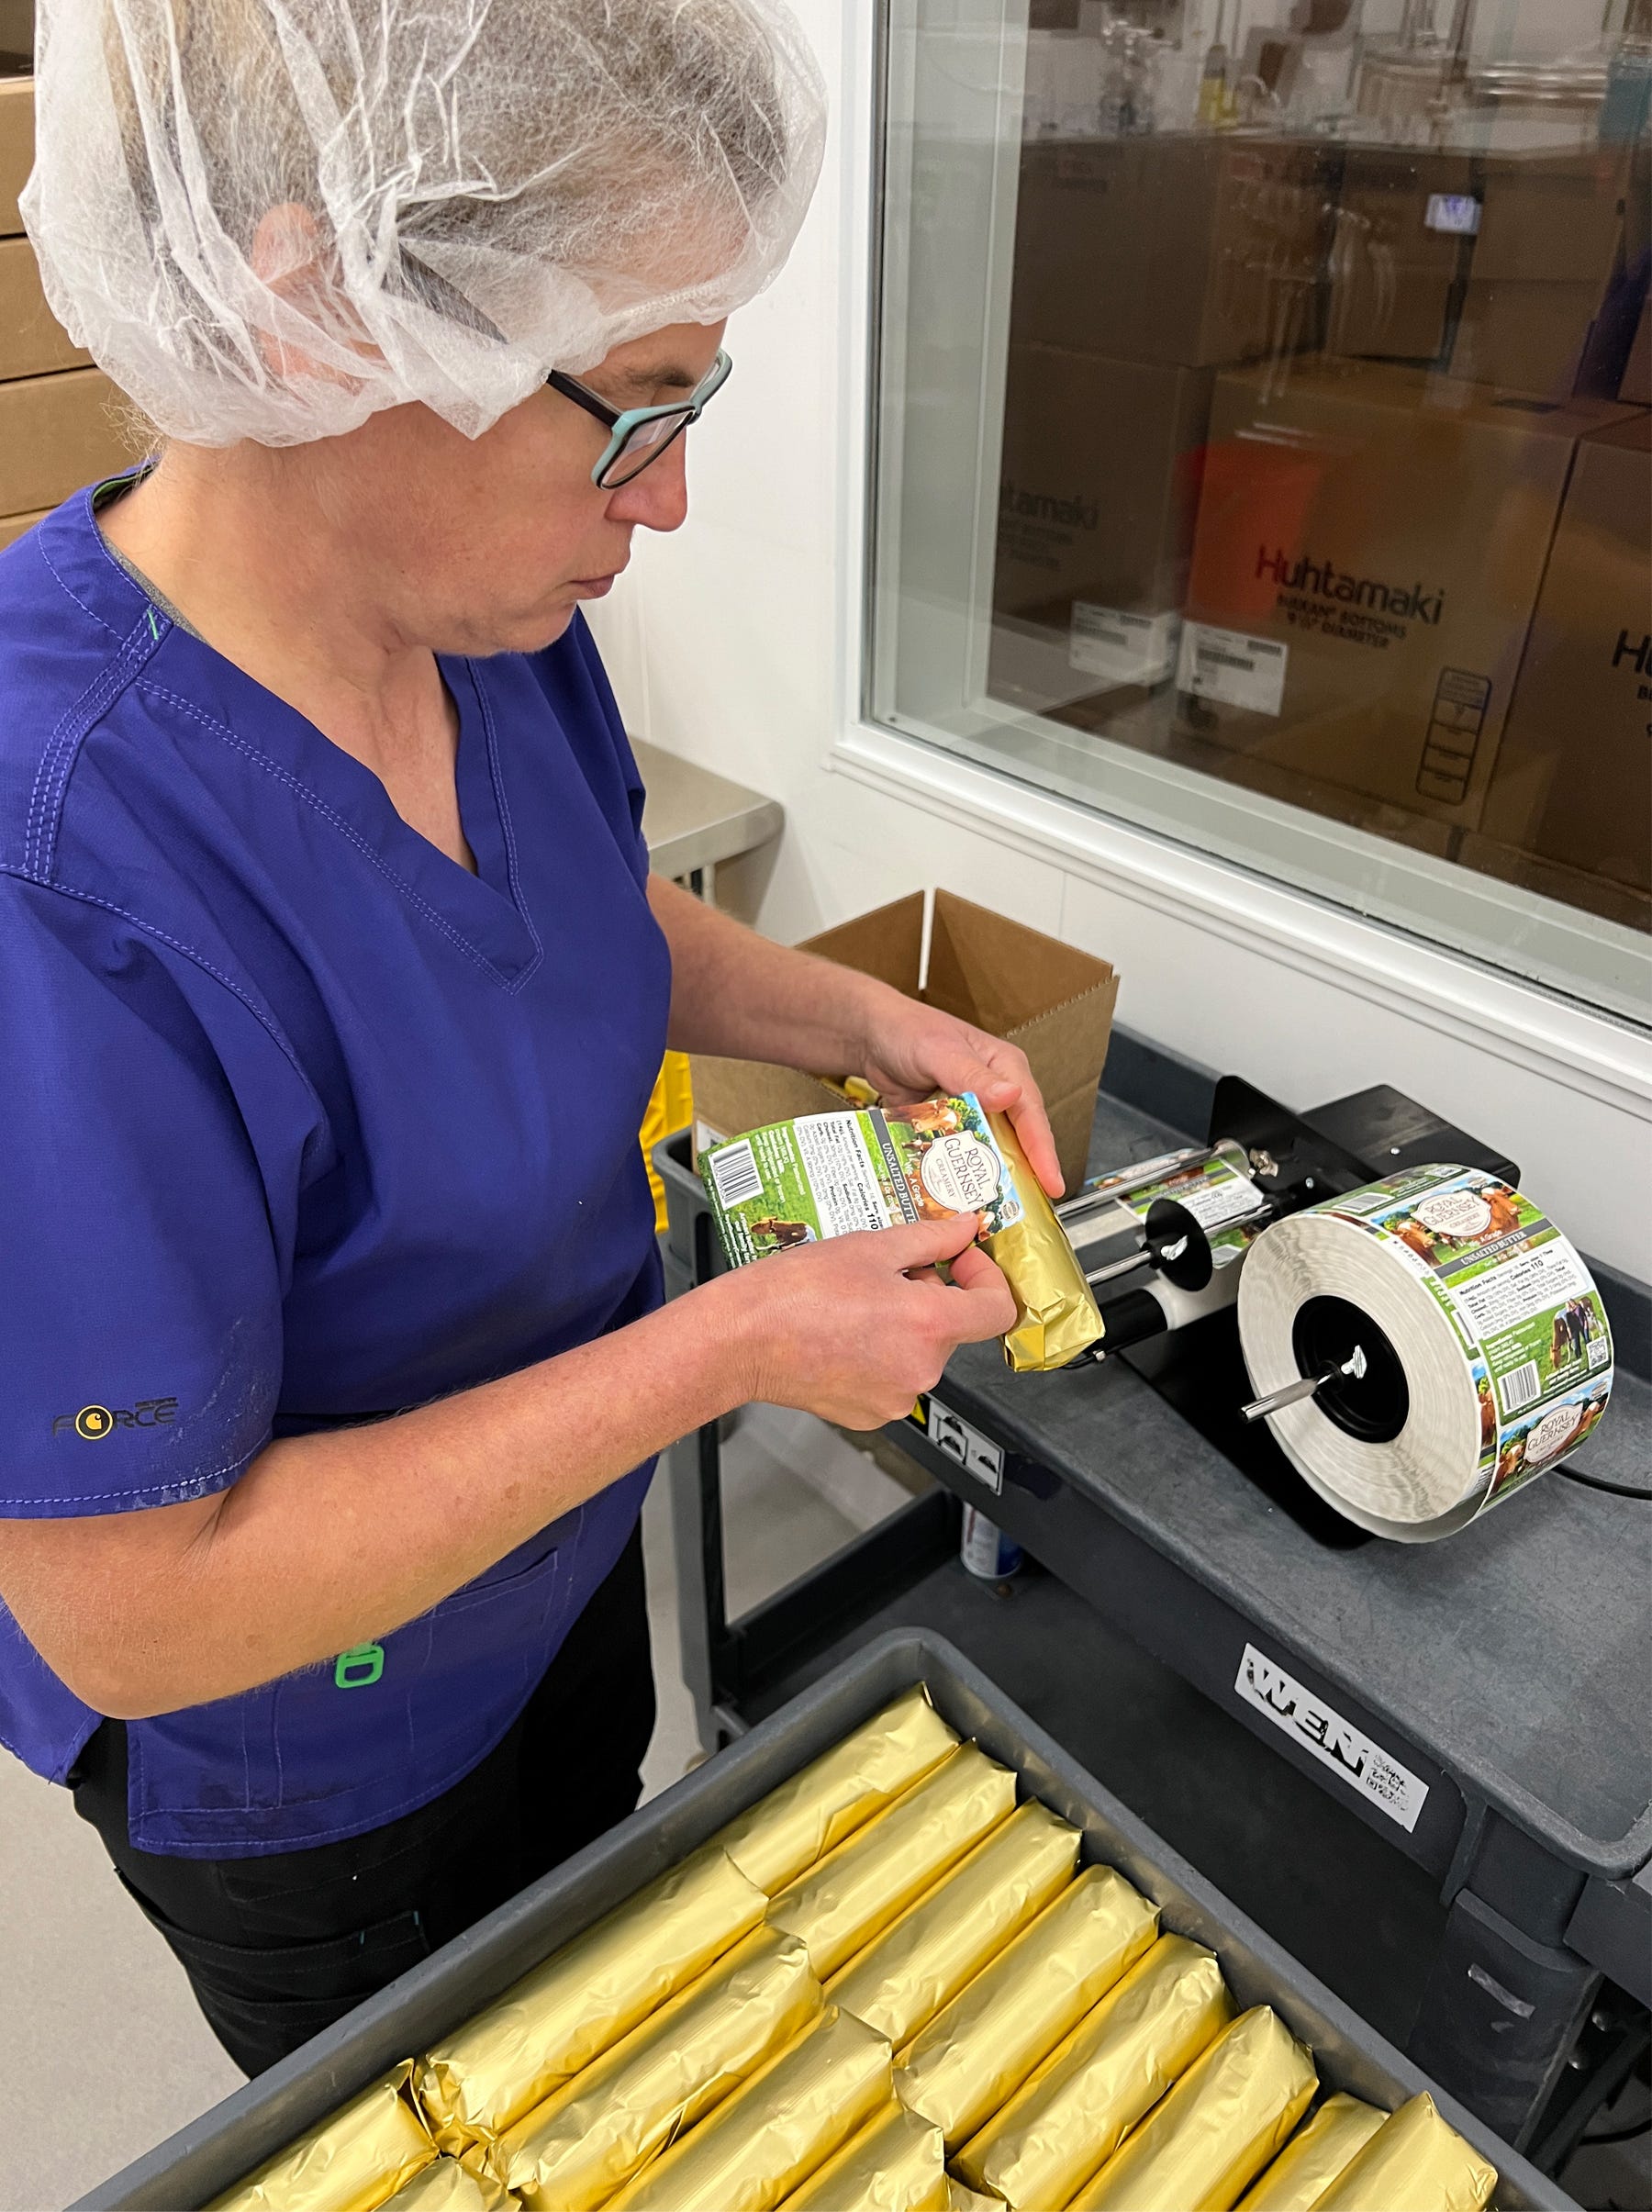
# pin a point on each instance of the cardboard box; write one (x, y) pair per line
(1368, 550)
(1097, 489)
(1406, 225)
(16, 148)
(1573, 782)
(1636, 384)
(1191, 252)
(1550, 234)
(32, 341)
(1053, 1001)
(57, 433)
(13, 526)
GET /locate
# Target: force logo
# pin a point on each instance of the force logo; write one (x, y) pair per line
(94, 1422)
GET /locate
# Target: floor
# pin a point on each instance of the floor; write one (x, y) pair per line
(97, 2027)
(99, 2034)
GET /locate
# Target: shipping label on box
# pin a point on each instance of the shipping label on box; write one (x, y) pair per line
(1370, 546)
(1097, 490)
(1122, 647)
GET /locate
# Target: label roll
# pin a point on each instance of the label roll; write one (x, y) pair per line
(897, 2164)
(900, 1981)
(773, 2133)
(496, 2068)
(1484, 1348)
(1315, 2156)
(352, 2162)
(981, 2049)
(1414, 2160)
(572, 2152)
(783, 1833)
(1076, 2109)
(1212, 2134)
(856, 1891)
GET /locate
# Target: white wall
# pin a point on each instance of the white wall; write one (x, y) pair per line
(737, 645)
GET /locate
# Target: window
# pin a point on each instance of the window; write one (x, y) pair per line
(1262, 445)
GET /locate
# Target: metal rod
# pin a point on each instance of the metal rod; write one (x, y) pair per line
(1292, 1393)
(1127, 1265)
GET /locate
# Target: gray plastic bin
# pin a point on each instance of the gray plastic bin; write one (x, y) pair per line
(213, 2152)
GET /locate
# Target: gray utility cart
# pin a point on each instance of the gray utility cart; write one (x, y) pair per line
(216, 2150)
(1505, 1936)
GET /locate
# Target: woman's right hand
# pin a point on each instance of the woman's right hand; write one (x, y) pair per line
(855, 1329)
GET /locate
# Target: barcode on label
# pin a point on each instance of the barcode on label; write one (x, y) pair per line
(735, 1174)
(1521, 1386)
(1231, 668)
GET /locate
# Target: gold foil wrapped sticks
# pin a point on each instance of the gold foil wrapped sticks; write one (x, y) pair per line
(903, 1978)
(1057, 1317)
(897, 2164)
(478, 2081)
(856, 1891)
(1315, 2156)
(352, 2163)
(1414, 2160)
(1076, 2109)
(773, 2133)
(1212, 2134)
(980, 2050)
(786, 1831)
(572, 2152)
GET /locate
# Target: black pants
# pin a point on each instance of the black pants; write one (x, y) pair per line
(279, 1946)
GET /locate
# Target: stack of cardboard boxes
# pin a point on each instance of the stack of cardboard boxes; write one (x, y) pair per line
(59, 417)
(1141, 265)
(1323, 473)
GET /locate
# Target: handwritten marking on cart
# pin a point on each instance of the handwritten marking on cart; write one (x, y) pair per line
(1325, 1735)
(975, 1454)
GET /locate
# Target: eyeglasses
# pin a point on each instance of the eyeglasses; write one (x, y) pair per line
(639, 435)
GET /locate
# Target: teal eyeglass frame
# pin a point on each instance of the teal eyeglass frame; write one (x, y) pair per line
(668, 423)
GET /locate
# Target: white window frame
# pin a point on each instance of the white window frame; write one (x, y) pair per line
(1606, 1058)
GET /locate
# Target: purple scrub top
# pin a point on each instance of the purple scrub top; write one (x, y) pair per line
(301, 1122)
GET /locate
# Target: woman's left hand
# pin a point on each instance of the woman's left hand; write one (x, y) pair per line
(912, 1051)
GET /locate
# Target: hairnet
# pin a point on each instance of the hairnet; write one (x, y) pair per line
(267, 219)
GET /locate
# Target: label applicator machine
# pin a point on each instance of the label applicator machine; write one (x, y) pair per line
(1357, 1305)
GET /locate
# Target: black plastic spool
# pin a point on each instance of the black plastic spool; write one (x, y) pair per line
(1373, 1407)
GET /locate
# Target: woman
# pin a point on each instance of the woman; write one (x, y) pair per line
(332, 981)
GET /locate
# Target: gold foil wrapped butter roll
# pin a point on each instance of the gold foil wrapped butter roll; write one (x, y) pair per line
(897, 2164)
(1414, 2163)
(786, 1831)
(1057, 1317)
(352, 2163)
(1315, 2156)
(448, 2186)
(572, 2152)
(1075, 2110)
(478, 2081)
(960, 2198)
(856, 1891)
(981, 2048)
(777, 2129)
(1214, 2131)
(903, 1977)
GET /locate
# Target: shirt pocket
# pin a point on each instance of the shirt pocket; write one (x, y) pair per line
(397, 1720)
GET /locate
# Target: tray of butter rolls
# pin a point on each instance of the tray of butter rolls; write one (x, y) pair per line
(893, 1951)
